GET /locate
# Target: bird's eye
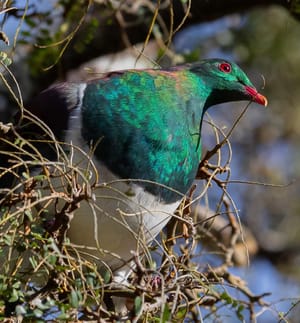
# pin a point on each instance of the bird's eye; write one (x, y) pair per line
(225, 67)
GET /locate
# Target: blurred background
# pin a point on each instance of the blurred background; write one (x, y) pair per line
(264, 39)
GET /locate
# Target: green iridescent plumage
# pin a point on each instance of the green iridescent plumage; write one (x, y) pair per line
(149, 121)
(148, 127)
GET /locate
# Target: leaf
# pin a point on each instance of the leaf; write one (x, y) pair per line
(25, 33)
(239, 312)
(20, 310)
(40, 178)
(226, 297)
(30, 22)
(106, 276)
(138, 303)
(166, 314)
(28, 213)
(5, 59)
(75, 298)
(33, 262)
(14, 296)
(37, 312)
(181, 313)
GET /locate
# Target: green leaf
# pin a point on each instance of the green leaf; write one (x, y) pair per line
(106, 276)
(52, 259)
(30, 22)
(138, 303)
(33, 262)
(28, 213)
(14, 296)
(239, 312)
(38, 313)
(20, 310)
(74, 300)
(25, 175)
(181, 313)
(5, 59)
(25, 33)
(17, 284)
(166, 314)
(40, 177)
(226, 297)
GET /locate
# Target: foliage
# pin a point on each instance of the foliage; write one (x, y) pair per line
(42, 275)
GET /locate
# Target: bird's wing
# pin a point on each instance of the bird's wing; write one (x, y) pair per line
(144, 122)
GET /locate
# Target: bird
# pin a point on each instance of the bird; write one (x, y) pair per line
(142, 131)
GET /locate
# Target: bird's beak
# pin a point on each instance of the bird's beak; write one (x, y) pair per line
(255, 96)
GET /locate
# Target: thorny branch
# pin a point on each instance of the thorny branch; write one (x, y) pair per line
(177, 280)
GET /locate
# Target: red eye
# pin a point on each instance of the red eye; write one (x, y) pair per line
(225, 67)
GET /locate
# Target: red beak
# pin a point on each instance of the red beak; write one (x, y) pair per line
(256, 97)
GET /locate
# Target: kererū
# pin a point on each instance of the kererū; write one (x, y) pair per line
(143, 131)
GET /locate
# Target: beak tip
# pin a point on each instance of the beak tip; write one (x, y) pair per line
(256, 97)
(261, 99)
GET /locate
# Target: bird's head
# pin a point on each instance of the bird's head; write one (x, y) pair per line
(226, 82)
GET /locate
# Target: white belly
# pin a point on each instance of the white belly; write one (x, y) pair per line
(121, 219)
